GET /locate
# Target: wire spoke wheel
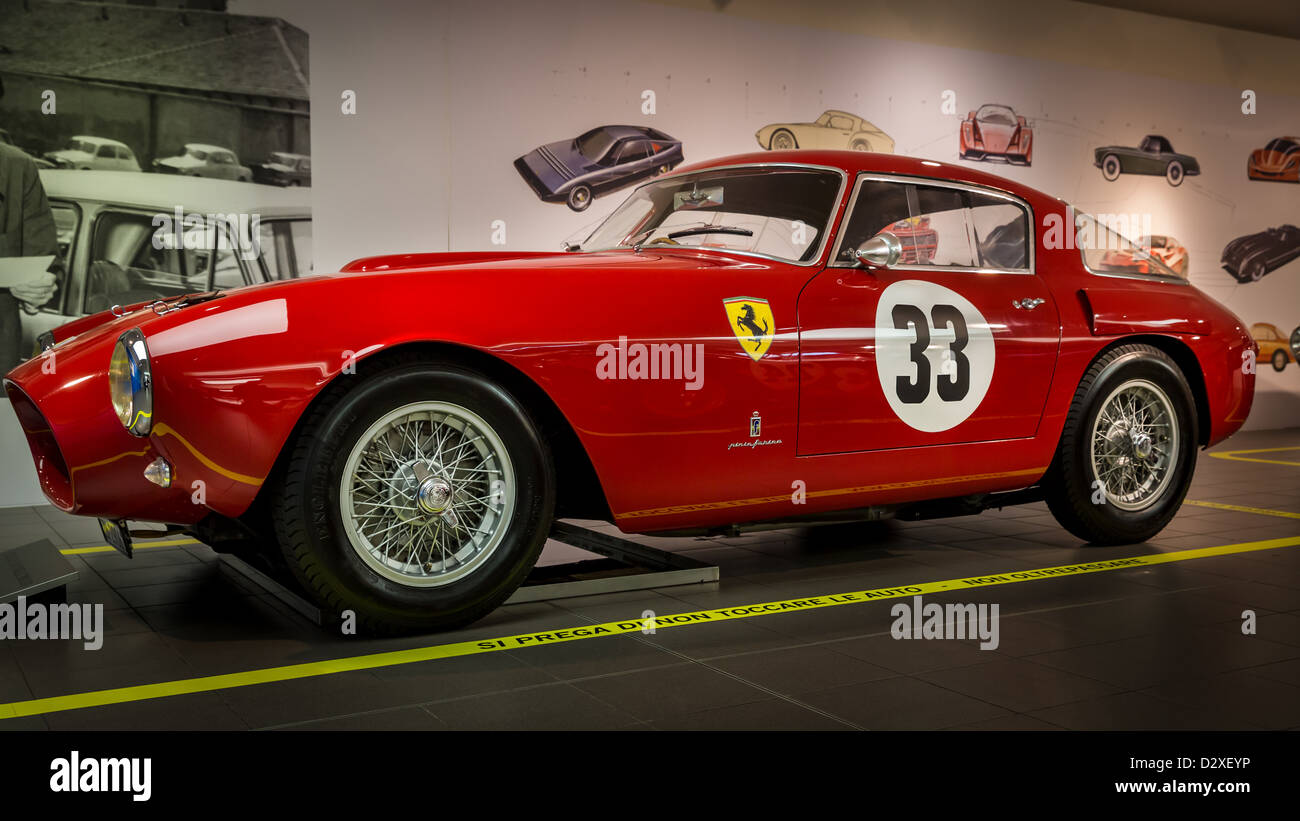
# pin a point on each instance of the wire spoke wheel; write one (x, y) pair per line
(1134, 445)
(427, 494)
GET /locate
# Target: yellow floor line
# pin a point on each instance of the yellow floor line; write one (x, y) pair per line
(1262, 511)
(1233, 455)
(99, 698)
(82, 551)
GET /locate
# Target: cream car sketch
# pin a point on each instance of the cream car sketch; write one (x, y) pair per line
(833, 129)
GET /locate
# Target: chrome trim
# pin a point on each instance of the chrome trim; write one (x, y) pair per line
(825, 235)
(909, 179)
(142, 391)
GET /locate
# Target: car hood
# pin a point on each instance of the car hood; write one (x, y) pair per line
(556, 163)
(1263, 158)
(997, 137)
(275, 166)
(181, 162)
(69, 154)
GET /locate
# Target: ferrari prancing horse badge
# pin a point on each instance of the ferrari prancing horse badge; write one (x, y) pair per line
(752, 323)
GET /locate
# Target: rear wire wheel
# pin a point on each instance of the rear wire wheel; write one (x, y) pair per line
(1128, 449)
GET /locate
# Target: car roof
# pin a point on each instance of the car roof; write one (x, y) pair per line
(844, 113)
(166, 191)
(101, 140)
(207, 147)
(855, 162)
(621, 131)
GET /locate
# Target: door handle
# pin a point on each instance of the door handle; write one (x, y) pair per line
(1028, 303)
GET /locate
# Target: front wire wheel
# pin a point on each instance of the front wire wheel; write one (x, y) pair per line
(427, 493)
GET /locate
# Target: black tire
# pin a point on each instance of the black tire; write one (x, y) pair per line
(1174, 173)
(1254, 271)
(1295, 343)
(1110, 167)
(1279, 360)
(579, 198)
(1070, 484)
(309, 522)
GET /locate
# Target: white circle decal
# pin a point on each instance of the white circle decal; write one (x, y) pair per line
(934, 354)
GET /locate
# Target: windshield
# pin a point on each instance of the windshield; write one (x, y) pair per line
(776, 212)
(282, 159)
(1280, 145)
(196, 153)
(1107, 252)
(998, 114)
(594, 144)
(81, 145)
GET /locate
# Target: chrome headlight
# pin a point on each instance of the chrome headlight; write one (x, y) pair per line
(130, 383)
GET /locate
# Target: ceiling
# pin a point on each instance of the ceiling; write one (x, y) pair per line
(1277, 17)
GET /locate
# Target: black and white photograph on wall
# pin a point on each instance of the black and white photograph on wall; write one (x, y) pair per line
(116, 113)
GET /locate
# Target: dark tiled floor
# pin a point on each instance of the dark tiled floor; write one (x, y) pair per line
(1150, 647)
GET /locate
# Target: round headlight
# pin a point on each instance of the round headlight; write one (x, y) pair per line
(130, 383)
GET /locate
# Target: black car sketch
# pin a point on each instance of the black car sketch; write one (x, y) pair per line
(1155, 157)
(1248, 258)
(601, 160)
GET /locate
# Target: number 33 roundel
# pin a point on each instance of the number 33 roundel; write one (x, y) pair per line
(934, 354)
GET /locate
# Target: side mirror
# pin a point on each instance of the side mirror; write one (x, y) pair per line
(881, 251)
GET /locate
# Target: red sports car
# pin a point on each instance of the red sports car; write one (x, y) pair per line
(742, 341)
(995, 133)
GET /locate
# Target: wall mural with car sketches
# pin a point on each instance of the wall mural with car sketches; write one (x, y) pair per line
(1156, 159)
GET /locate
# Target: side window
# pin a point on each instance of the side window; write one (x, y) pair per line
(123, 153)
(105, 151)
(635, 150)
(936, 234)
(879, 204)
(842, 123)
(1001, 232)
(939, 226)
(131, 261)
(286, 248)
(66, 219)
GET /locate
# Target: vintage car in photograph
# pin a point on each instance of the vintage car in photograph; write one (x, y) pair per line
(201, 160)
(1274, 346)
(1250, 257)
(284, 168)
(1153, 157)
(833, 129)
(1279, 161)
(1150, 254)
(739, 344)
(603, 159)
(94, 153)
(996, 133)
(106, 237)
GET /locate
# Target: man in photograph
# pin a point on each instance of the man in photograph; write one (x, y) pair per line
(26, 230)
